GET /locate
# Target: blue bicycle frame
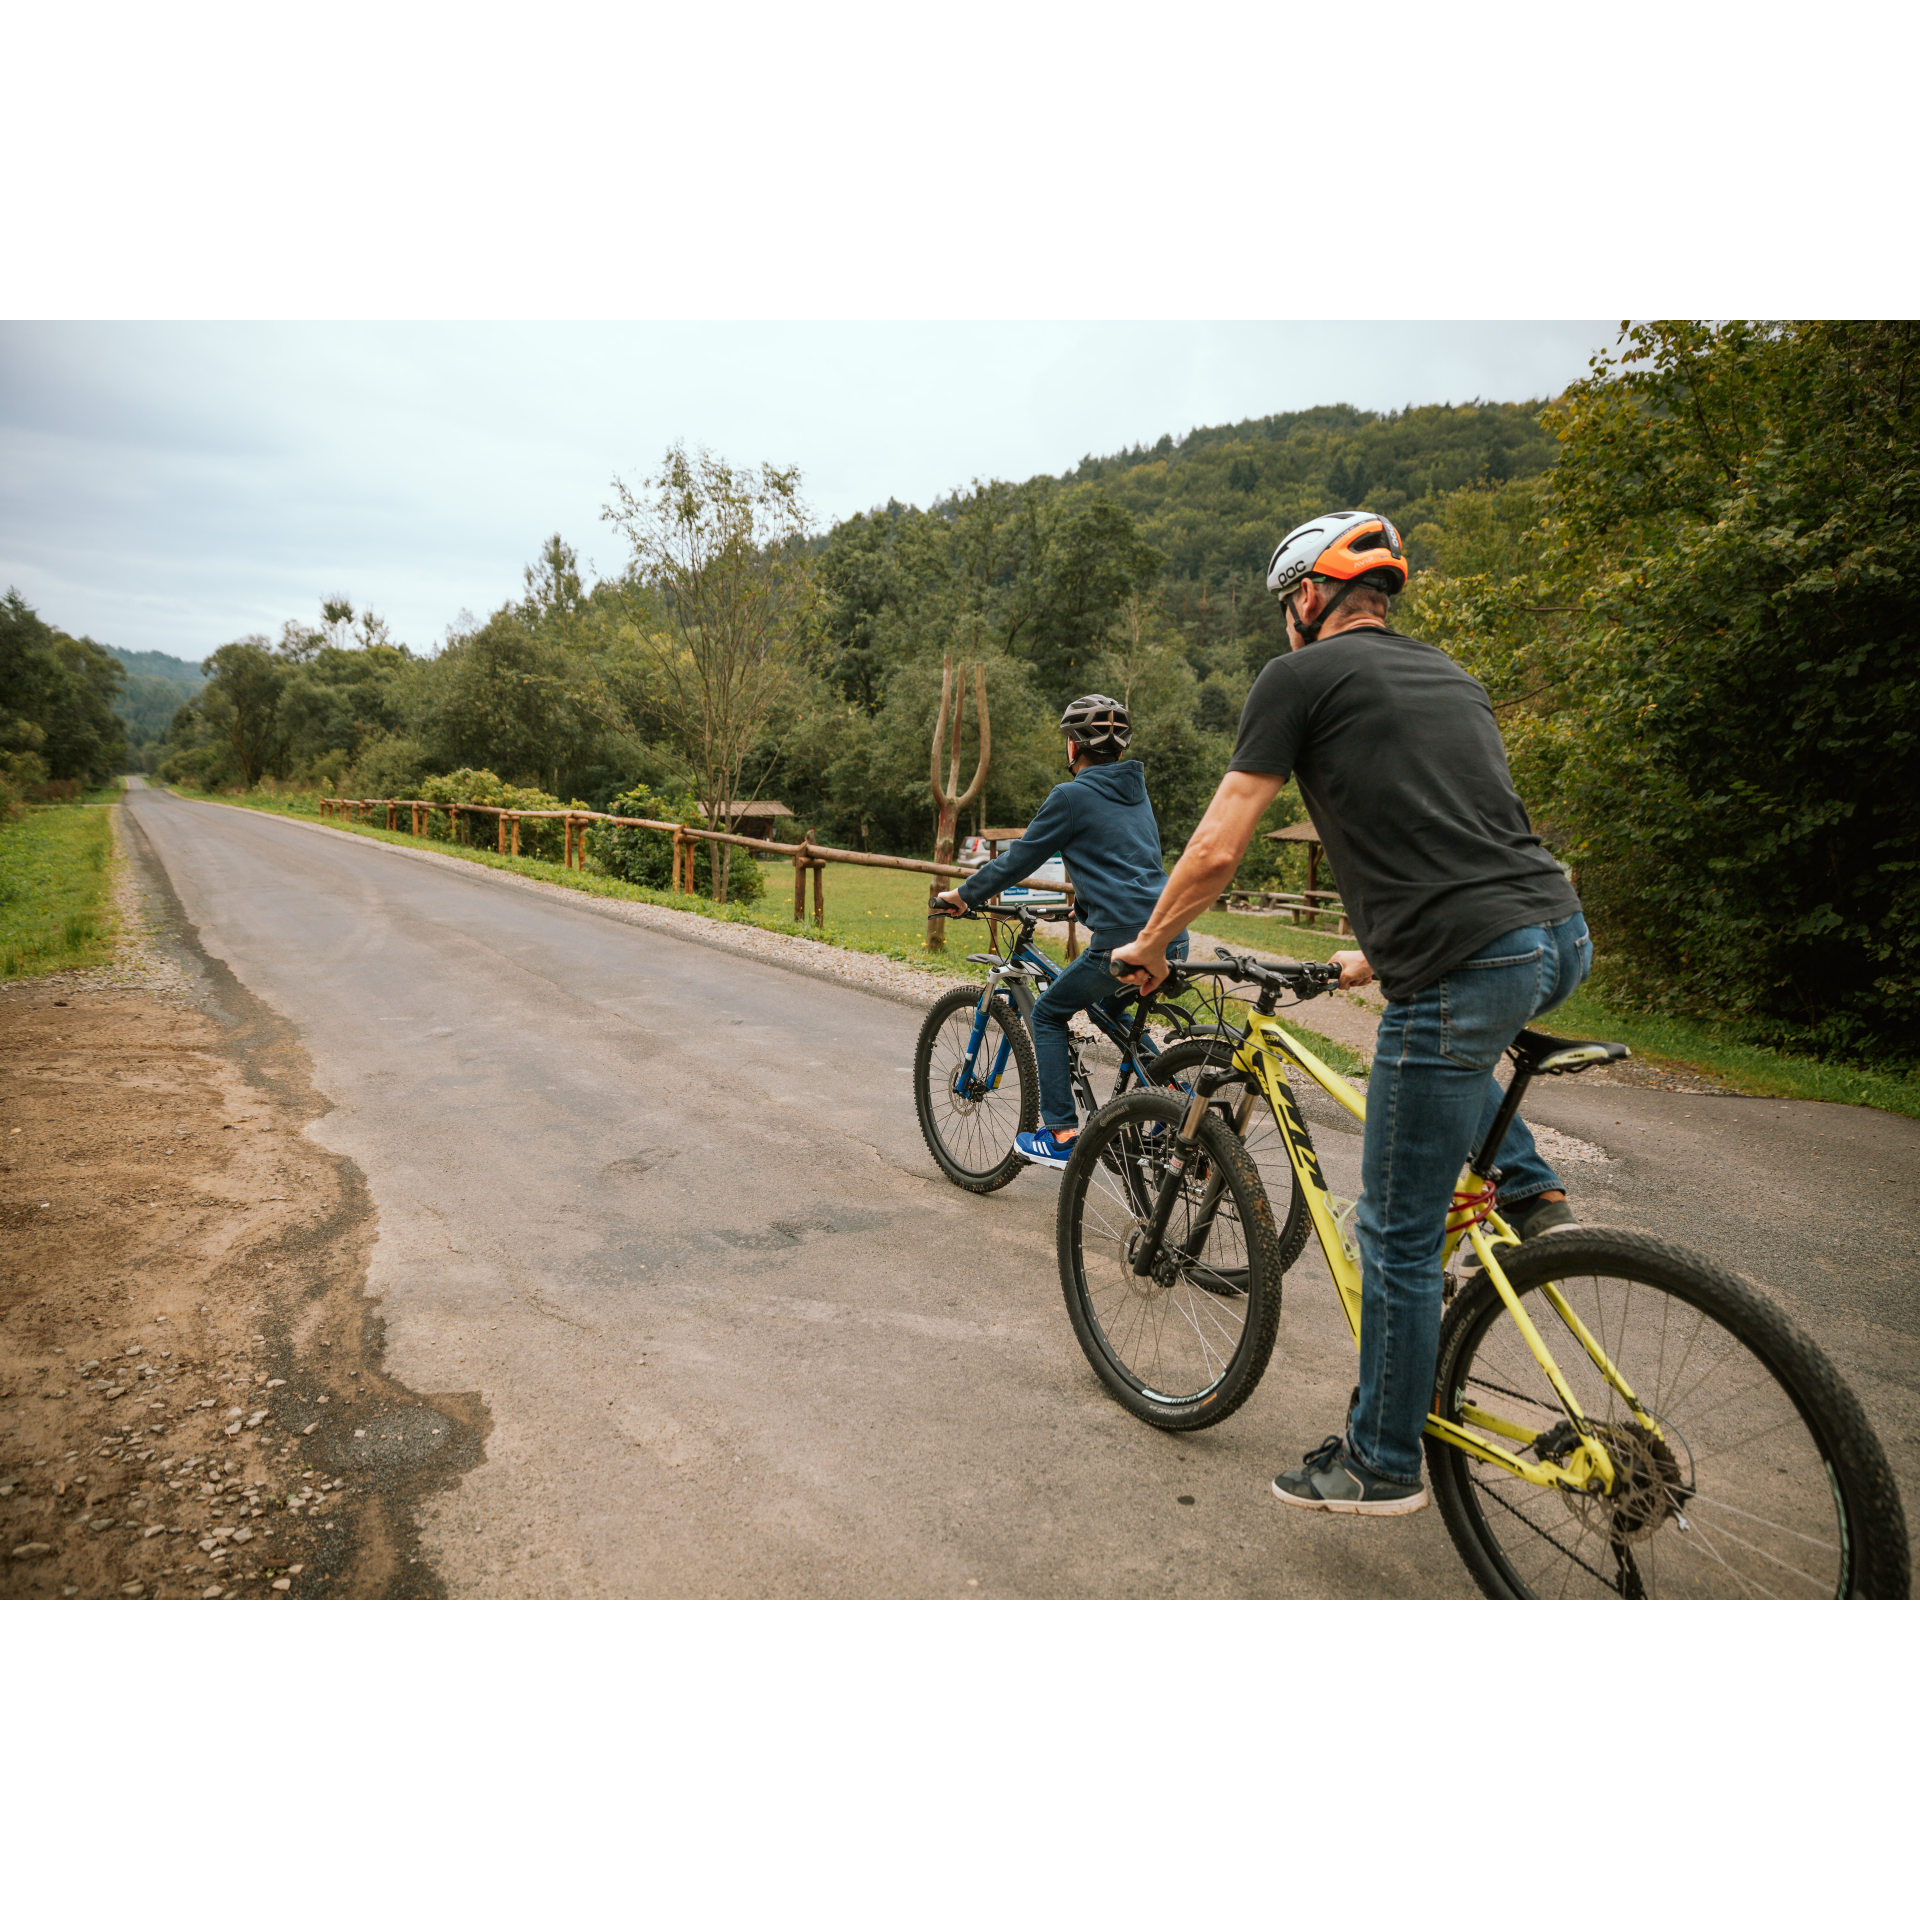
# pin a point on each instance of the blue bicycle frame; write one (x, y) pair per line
(1012, 980)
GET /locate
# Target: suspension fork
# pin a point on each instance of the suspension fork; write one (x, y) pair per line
(1186, 1145)
(1216, 1185)
(967, 1079)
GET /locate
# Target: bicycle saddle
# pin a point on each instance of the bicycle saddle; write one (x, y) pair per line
(1543, 1053)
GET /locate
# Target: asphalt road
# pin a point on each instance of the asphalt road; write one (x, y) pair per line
(667, 1210)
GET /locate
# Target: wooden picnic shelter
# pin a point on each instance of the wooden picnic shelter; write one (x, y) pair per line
(1305, 833)
(752, 818)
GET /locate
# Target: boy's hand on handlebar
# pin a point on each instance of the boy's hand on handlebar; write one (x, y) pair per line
(1354, 971)
(1139, 966)
(949, 903)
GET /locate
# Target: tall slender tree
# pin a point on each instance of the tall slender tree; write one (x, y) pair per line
(726, 547)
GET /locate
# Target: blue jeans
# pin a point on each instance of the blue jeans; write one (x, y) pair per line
(1086, 983)
(1430, 1100)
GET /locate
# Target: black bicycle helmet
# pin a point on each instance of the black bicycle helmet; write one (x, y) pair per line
(1096, 721)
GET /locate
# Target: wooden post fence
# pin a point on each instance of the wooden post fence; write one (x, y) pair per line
(808, 857)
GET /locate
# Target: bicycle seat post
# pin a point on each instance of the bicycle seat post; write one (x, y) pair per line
(1485, 1158)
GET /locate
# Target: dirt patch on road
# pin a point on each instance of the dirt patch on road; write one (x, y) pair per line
(191, 1394)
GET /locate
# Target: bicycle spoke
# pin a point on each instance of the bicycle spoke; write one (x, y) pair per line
(1729, 1493)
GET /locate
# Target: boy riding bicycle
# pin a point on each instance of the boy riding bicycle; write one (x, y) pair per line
(1101, 823)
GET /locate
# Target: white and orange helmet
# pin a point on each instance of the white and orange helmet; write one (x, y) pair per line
(1352, 548)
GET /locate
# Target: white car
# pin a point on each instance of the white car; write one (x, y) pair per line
(1039, 889)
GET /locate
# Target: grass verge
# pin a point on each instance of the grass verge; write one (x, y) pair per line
(1735, 1063)
(55, 877)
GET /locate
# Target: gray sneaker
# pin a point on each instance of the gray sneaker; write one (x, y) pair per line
(1542, 1216)
(1331, 1480)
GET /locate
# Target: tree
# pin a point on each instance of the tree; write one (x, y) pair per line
(1140, 664)
(1750, 498)
(56, 700)
(948, 800)
(501, 697)
(242, 701)
(727, 550)
(339, 627)
(1705, 655)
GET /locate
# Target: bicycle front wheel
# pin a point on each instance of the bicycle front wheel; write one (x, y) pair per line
(1182, 1347)
(968, 1121)
(1764, 1481)
(1176, 1067)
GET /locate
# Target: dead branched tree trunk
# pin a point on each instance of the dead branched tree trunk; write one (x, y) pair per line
(949, 802)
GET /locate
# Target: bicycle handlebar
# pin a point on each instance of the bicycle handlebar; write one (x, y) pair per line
(1028, 914)
(1287, 976)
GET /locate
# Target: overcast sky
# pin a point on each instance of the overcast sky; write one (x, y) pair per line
(179, 485)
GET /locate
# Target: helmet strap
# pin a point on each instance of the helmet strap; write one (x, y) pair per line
(1310, 629)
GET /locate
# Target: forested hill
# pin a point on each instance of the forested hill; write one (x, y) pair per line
(160, 666)
(1216, 503)
(157, 684)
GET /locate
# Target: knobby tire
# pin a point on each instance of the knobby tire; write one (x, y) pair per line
(971, 1140)
(1768, 1481)
(1184, 1348)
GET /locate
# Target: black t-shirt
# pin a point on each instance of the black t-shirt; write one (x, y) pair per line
(1401, 767)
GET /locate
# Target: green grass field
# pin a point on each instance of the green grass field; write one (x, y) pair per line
(55, 876)
(875, 910)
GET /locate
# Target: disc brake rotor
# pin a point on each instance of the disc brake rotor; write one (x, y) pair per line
(1649, 1484)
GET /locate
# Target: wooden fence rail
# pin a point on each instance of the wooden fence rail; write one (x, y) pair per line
(806, 856)
(1316, 904)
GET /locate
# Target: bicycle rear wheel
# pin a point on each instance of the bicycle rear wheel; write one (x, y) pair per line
(1766, 1480)
(1177, 1067)
(970, 1134)
(1185, 1346)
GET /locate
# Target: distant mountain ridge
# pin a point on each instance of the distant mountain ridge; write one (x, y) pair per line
(159, 666)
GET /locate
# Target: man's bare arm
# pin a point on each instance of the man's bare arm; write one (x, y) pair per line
(1217, 847)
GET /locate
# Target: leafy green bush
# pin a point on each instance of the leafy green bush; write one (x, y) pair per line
(388, 768)
(477, 787)
(645, 859)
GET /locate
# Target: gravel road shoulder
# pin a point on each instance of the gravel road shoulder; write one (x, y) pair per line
(191, 1395)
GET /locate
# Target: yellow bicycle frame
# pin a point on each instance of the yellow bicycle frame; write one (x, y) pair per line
(1261, 1057)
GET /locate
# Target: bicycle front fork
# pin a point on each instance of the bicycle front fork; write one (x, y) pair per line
(971, 1085)
(1174, 1179)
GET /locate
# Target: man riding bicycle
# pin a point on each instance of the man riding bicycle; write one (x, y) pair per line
(1467, 921)
(1100, 821)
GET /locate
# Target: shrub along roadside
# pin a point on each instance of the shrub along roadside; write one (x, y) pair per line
(55, 877)
(646, 859)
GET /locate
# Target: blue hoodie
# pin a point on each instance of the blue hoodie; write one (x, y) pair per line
(1099, 822)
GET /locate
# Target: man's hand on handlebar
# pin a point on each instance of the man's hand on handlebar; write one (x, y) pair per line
(948, 903)
(1139, 966)
(1354, 971)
